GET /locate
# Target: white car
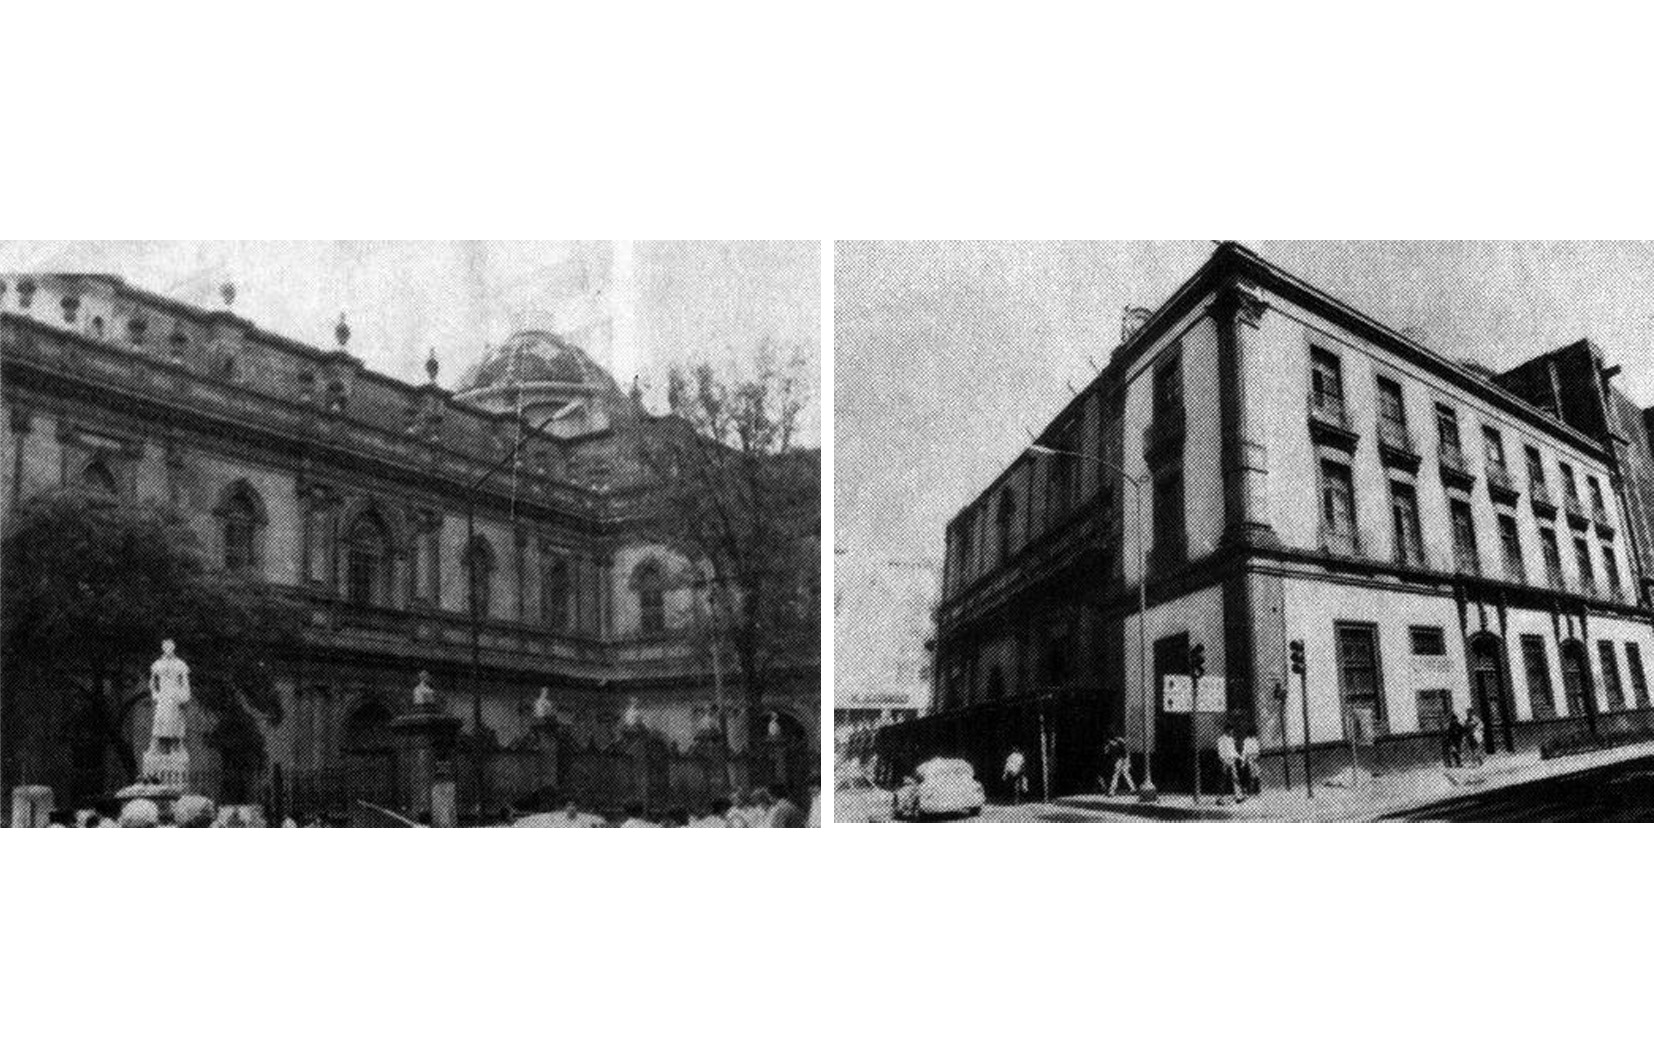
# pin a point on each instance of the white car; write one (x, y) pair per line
(941, 786)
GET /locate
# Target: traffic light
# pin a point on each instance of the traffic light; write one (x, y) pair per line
(1197, 660)
(1297, 651)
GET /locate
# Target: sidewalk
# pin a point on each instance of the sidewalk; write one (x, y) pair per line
(1369, 798)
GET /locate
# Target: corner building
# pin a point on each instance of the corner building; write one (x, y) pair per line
(1442, 538)
(348, 491)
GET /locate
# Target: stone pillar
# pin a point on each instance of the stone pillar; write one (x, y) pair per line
(1237, 313)
(32, 806)
(426, 739)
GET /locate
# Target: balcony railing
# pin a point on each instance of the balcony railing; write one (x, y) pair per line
(1575, 509)
(1341, 542)
(1554, 577)
(1467, 561)
(1540, 497)
(1395, 445)
(1500, 483)
(1599, 513)
(1454, 464)
(1329, 421)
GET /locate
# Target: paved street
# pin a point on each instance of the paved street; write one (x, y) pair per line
(873, 806)
(1618, 793)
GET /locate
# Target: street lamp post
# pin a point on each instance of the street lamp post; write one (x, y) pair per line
(471, 598)
(1147, 792)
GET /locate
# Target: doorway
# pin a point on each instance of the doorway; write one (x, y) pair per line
(1576, 683)
(1487, 691)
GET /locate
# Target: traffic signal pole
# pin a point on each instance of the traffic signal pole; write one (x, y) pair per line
(1297, 651)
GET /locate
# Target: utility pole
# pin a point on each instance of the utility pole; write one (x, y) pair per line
(1197, 668)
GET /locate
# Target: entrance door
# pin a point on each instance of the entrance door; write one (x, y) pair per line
(1576, 683)
(1487, 689)
(1172, 731)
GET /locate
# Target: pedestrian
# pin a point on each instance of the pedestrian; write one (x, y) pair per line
(1474, 738)
(1016, 775)
(1229, 756)
(1250, 752)
(1452, 737)
(1118, 757)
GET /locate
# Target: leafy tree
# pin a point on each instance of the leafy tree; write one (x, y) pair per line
(740, 493)
(92, 585)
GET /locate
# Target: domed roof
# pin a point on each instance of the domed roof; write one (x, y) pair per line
(536, 356)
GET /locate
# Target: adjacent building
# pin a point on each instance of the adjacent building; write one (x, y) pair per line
(1266, 464)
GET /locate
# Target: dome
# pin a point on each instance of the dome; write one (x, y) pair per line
(536, 356)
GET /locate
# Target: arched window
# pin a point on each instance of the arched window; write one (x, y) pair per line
(1007, 519)
(650, 586)
(479, 561)
(241, 515)
(554, 593)
(367, 561)
(97, 477)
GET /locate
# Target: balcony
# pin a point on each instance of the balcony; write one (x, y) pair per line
(1541, 499)
(1329, 422)
(1575, 510)
(1341, 542)
(1466, 562)
(1396, 447)
(1455, 467)
(1163, 438)
(1554, 577)
(1501, 485)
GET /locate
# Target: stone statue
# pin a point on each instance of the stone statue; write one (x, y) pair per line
(424, 696)
(169, 689)
(166, 763)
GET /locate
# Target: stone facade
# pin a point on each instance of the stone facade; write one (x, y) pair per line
(349, 491)
(1438, 536)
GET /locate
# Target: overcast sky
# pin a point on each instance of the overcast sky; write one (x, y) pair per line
(946, 353)
(692, 300)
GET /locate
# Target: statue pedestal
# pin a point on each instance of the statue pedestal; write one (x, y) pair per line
(167, 763)
(424, 740)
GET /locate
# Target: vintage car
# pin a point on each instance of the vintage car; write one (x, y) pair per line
(941, 786)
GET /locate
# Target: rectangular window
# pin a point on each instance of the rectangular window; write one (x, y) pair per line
(1553, 556)
(1168, 389)
(1570, 487)
(1404, 514)
(1434, 708)
(1392, 411)
(1582, 557)
(1611, 570)
(1536, 468)
(1464, 536)
(1338, 507)
(1511, 543)
(1611, 685)
(1447, 428)
(1359, 681)
(1428, 641)
(1639, 678)
(1541, 699)
(1326, 379)
(1597, 508)
(1494, 446)
(1169, 542)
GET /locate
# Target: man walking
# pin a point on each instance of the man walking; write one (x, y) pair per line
(1116, 754)
(1250, 751)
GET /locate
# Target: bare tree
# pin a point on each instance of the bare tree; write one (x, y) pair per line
(743, 497)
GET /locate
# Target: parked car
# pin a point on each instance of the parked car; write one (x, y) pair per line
(941, 786)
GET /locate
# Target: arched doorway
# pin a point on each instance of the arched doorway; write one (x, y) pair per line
(369, 761)
(1489, 685)
(1576, 683)
(783, 756)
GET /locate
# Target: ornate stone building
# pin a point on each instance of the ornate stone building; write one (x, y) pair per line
(350, 491)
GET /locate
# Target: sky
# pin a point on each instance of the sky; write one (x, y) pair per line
(947, 354)
(691, 300)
